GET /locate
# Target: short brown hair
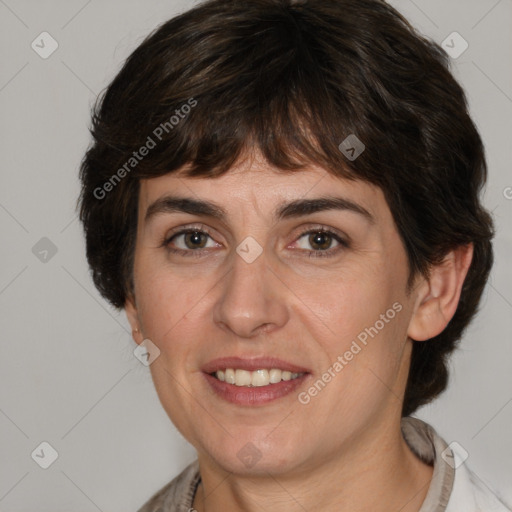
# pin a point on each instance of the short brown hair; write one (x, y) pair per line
(294, 80)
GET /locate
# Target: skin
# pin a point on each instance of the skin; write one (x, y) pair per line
(343, 451)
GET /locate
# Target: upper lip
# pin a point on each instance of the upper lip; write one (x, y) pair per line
(251, 364)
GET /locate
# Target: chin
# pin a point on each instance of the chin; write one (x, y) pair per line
(244, 456)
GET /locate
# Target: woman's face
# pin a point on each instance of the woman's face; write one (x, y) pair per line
(260, 289)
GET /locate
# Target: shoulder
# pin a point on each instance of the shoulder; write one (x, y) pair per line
(454, 486)
(472, 494)
(177, 495)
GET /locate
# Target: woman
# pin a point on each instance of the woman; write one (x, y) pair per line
(284, 197)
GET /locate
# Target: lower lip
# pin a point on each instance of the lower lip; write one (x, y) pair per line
(257, 395)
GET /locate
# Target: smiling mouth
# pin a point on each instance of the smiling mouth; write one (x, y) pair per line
(257, 378)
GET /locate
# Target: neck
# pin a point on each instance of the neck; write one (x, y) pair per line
(377, 472)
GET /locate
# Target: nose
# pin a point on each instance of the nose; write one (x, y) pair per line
(252, 299)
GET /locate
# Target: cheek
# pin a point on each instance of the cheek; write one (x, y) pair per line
(167, 304)
(352, 301)
(164, 301)
(364, 322)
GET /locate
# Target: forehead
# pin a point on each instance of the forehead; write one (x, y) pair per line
(257, 185)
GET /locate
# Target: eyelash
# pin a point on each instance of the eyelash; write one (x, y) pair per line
(199, 253)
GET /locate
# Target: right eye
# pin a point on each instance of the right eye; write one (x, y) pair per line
(188, 242)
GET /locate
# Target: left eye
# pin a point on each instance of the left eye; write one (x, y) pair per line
(320, 239)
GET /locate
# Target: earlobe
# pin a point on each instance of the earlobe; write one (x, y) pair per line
(133, 318)
(439, 296)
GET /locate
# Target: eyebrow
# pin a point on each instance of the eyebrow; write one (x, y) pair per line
(293, 209)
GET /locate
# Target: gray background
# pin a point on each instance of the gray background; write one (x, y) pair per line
(68, 374)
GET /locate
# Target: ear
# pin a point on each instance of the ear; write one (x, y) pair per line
(133, 318)
(439, 295)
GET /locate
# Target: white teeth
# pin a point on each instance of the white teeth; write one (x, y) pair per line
(229, 375)
(275, 376)
(242, 377)
(257, 378)
(260, 378)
